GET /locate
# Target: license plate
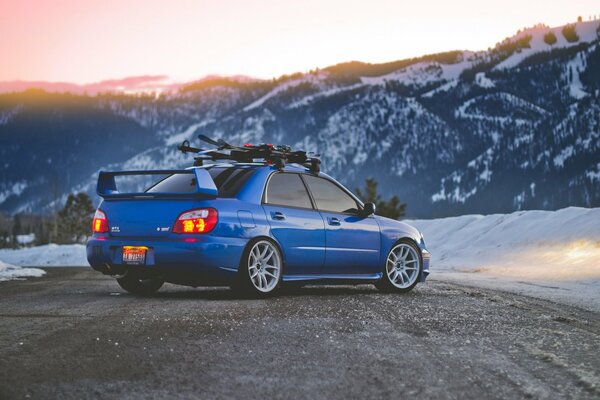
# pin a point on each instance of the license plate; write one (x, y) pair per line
(134, 255)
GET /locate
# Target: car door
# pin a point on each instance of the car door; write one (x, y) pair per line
(352, 241)
(297, 226)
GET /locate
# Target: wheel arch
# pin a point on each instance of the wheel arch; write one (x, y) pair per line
(255, 239)
(391, 237)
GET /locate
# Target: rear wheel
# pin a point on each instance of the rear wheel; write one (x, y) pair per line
(402, 268)
(261, 268)
(133, 284)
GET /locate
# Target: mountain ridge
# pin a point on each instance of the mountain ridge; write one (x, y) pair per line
(453, 134)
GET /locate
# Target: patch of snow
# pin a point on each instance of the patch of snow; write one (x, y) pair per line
(16, 189)
(483, 81)
(279, 89)
(185, 135)
(450, 186)
(516, 102)
(49, 255)
(443, 88)
(421, 73)
(573, 68)
(9, 272)
(594, 175)
(325, 93)
(565, 154)
(26, 239)
(518, 200)
(554, 254)
(7, 115)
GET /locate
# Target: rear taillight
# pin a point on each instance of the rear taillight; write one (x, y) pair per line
(196, 221)
(100, 223)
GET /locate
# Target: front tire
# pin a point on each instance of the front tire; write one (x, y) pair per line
(402, 268)
(261, 268)
(142, 287)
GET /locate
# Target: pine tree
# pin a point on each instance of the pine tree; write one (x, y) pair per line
(16, 230)
(75, 218)
(550, 38)
(392, 208)
(570, 33)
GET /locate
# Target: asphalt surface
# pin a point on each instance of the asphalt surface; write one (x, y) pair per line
(75, 334)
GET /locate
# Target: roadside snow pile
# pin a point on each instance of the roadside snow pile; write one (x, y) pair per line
(548, 251)
(8, 272)
(49, 255)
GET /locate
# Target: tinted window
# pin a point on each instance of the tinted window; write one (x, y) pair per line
(228, 180)
(287, 190)
(329, 196)
(176, 183)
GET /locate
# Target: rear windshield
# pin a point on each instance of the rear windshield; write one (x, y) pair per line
(229, 181)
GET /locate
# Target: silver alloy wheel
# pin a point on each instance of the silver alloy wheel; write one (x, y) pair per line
(402, 266)
(264, 266)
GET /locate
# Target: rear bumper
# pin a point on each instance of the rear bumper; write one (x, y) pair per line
(207, 259)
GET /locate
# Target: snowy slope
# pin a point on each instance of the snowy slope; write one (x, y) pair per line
(50, 255)
(553, 254)
(585, 30)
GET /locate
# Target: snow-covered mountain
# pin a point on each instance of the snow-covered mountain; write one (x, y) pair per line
(514, 127)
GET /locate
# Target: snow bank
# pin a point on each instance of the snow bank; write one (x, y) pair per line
(8, 272)
(553, 254)
(50, 255)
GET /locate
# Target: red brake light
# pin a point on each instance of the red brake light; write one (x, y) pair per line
(100, 223)
(202, 220)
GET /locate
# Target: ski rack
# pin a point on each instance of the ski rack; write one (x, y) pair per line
(279, 155)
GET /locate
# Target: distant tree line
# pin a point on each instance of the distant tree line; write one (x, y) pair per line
(72, 224)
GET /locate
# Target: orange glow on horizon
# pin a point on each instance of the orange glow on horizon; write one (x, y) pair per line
(88, 41)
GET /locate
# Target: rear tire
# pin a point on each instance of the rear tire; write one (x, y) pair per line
(402, 268)
(261, 269)
(135, 285)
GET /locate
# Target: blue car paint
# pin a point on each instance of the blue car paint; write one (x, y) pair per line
(314, 247)
(301, 237)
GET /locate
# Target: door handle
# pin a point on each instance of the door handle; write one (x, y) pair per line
(277, 215)
(334, 221)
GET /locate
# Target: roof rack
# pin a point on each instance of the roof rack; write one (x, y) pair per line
(278, 155)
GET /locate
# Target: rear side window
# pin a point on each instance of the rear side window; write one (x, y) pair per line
(287, 190)
(329, 196)
(176, 183)
(228, 180)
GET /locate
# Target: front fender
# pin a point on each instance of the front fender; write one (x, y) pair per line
(392, 231)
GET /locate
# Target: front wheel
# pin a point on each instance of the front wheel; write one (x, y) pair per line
(261, 268)
(133, 284)
(402, 268)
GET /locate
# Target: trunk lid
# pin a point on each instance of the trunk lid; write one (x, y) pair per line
(145, 217)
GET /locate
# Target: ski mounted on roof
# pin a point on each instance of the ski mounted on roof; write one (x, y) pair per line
(278, 155)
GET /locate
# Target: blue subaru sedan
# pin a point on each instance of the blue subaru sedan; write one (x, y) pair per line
(252, 226)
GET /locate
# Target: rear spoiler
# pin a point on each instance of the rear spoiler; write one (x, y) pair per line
(107, 187)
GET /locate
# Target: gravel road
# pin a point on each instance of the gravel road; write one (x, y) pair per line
(75, 334)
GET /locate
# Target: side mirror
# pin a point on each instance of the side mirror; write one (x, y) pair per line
(368, 209)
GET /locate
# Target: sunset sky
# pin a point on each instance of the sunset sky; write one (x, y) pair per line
(86, 41)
